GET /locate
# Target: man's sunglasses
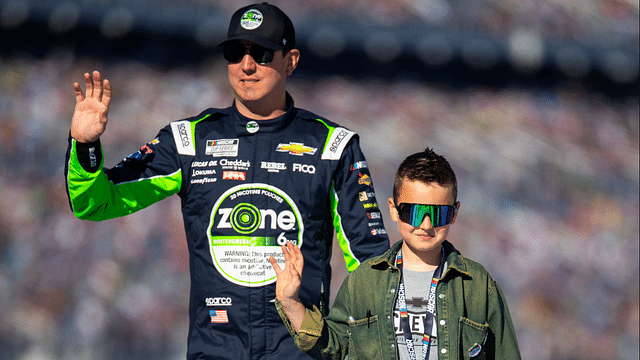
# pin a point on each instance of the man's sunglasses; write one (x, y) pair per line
(235, 51)
(414, 214)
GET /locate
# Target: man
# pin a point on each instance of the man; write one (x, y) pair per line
(420, 300)
(251, 177)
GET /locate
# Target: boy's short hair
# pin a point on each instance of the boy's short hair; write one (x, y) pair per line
(426, 167)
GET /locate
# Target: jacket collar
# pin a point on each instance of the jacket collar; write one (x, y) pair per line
(455, 260)
(245, 126)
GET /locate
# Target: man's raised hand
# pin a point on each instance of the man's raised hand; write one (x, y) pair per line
(89, 119)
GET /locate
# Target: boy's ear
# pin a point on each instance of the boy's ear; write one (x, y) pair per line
(456, 214)
(393, 211)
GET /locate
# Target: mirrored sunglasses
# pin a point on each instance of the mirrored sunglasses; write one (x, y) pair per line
(234, 52)
(414, 214)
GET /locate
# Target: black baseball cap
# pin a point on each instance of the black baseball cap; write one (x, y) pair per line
(263, 24)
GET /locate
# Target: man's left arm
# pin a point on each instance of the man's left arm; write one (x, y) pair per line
(355, 208)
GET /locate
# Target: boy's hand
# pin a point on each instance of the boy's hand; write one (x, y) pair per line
(289, 282)
(289, 278)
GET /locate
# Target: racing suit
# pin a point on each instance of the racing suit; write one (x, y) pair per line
(246, 187)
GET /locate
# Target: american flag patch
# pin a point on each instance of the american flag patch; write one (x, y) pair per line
(219, 316)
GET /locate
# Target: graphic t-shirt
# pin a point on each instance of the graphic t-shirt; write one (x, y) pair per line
(417, 293)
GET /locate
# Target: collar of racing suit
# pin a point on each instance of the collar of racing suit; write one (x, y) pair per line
(246, 126)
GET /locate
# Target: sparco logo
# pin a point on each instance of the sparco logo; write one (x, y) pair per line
(184, 135)
(218, 301)
(341, 135)
(92, 157)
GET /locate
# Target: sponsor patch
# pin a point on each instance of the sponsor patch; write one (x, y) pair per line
(365, 195)
(251, 19)
(374, 215)
(252, 127)
(336, 143)
(204, 172)
(222, 147)
(297, 149)
(183, 137)
(218, 301)
(92, 157)
(379, 231)
(242, 236)
(205, 180)
(273, 166)
(219, 316)
(234, 175)
(364, 179)
(304, 168)
(359, 165)
(204, 163)
(234, 164)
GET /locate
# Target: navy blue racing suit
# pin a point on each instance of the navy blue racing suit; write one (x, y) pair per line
(246, 187)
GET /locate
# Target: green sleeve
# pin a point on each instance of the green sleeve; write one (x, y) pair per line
(94, 196)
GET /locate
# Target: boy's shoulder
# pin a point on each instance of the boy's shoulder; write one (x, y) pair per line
(467, 268)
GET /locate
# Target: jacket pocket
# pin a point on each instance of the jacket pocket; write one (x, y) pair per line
(473, 337)
(364, 339)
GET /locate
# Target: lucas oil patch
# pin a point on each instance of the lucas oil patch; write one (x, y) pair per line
(248, 224)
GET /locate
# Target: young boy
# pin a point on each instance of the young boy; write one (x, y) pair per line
(421, 291)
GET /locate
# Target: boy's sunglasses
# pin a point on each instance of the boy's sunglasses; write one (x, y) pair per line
(234, 52)
(414, 214)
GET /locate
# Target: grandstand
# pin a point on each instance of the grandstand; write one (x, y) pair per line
(534, 102)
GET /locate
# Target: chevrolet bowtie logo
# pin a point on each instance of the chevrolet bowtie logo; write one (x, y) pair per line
(298, 149)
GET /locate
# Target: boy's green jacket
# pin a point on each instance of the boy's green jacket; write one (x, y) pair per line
(470, 308)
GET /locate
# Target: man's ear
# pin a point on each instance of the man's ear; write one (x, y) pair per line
(393, 211)
(292, 61)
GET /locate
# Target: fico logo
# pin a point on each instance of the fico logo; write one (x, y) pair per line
(304, 168)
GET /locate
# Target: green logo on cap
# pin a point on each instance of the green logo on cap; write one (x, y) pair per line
(251, 19)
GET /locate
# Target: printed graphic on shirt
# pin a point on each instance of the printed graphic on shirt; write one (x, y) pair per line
(417, 294)
(416, 323)
(242, 235)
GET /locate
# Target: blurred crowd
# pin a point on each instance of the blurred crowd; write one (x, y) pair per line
(548, 182)
(553, 18)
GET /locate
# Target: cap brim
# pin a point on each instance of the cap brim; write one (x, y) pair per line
(254, 39)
